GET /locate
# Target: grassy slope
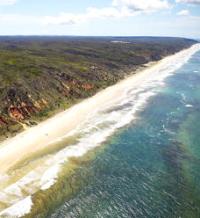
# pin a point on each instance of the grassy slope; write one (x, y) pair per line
(41, 75)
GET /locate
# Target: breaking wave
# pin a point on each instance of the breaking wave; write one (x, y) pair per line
(15, 196)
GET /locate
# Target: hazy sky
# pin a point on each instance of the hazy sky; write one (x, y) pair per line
(100, 17)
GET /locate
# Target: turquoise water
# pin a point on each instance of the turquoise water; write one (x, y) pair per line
(136, 156)
(150, 168)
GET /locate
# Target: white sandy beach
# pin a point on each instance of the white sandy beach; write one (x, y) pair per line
(90, 123)
(41, 136)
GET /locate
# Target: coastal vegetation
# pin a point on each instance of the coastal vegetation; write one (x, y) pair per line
(40, 76)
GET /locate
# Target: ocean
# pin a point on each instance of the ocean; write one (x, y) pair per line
(142, 157)
(150, 168)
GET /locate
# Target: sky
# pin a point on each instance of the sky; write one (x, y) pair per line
(101, 17)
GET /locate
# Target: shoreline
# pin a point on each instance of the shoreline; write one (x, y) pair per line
(26, 143)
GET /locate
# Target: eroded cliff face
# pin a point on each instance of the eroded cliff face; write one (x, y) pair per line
(3, 121)
(40, 77)
(24, 107)
(18, 105)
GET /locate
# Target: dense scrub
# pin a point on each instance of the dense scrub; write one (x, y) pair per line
(41, 75)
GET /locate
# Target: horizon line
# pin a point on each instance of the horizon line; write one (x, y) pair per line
(100, 36)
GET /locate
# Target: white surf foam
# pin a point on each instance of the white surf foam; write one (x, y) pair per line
(92, 133)
(19, 209)
(189, 105)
